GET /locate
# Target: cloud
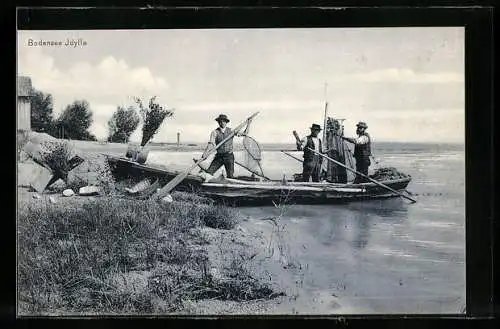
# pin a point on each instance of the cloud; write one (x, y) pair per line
(105, 85)
(381, 97)
(402, 76)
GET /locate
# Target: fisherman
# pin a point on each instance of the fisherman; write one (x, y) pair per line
(312, 161)
(224, 155)
(362, 151)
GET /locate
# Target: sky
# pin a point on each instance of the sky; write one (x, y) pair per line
(406, 83)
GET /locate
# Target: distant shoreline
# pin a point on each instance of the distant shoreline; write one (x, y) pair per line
(199, 147)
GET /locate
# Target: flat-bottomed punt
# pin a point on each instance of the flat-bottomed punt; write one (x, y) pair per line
(247, 191)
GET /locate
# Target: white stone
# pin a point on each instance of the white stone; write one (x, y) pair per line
(89, 190)
(215, 273)
(36, 196)
(167, 199)
(52, 199)
(68, 192)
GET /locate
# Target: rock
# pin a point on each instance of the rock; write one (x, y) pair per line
(31, 149)
(52, 199)
(68, 192)
(167, 199)
(23, 156)
(89, 190)
(58, 184)
(33, 175)
(36, 196)
(215, 273)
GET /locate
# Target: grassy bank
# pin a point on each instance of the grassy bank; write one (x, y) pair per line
(116, 256)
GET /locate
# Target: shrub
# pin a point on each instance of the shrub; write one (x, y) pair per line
(57, 155)
(152, 117)
(218, 216)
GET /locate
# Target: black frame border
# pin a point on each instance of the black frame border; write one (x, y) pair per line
(478, 23)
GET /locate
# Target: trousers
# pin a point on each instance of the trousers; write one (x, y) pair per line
(311, 169)
(226, 159)
(362, 165)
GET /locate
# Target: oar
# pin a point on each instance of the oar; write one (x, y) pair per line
(180, 177)
(292, 156)
(239, 164)
(365, 176)
(253, 172)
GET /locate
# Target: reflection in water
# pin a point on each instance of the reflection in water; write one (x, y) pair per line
(396, 208)
(347, 226)
(361, 227)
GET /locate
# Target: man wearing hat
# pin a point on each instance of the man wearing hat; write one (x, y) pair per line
(362, 151)
(312, 162)
(224, 155)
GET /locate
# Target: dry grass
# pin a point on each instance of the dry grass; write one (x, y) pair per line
(113, 256)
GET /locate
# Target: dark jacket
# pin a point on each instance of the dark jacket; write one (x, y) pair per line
(363, 151)
(308, 154)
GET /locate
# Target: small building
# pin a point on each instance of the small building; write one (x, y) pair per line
(24, 93)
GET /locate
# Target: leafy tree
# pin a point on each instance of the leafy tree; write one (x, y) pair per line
(41, 112)
(152, 117)
(75, 121)
(122, 124)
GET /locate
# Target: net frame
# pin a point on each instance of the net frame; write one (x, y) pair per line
(253, 153)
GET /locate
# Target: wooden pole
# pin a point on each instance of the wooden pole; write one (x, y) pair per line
(365, 176)
(178, 139)
(239, 164)
(292, 156)
(325, 117)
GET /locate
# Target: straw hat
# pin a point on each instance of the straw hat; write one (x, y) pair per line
(362, 125)
(315, 127)
(222, 117)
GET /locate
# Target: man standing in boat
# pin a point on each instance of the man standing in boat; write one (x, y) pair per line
(362, 151)
(224, 155)
(312, 162)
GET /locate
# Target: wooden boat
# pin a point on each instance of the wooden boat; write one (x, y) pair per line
(248, 191)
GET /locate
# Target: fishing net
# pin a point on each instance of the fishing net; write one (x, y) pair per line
(252, 155)
(337, 150)
(349, 161)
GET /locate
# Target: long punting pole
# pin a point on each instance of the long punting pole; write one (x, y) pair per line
(239, 164)
(325, 117)
(365, 176)
(292, 156)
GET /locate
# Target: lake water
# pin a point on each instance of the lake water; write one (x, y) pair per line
(385, 256)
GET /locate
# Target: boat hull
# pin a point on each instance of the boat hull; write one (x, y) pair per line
(236, 192)
(292, 194)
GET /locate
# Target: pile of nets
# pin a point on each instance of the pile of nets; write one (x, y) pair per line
(389, 173)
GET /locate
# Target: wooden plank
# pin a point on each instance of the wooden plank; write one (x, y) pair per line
(284, 187)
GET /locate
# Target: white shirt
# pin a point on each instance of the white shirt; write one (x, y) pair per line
(214, 134)
(360, 140)
(315, 141)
